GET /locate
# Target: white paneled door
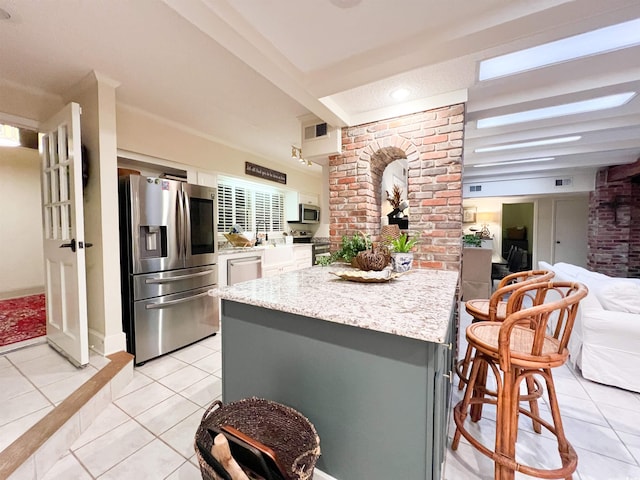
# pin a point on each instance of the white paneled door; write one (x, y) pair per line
(570, 231)
(63, 231)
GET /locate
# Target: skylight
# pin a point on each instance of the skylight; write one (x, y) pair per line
(602, 40)
(591, 105)
(530, 160)
(534, 143)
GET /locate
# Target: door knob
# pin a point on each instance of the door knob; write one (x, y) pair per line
(85, 245)
(71, 245)
(557, 242)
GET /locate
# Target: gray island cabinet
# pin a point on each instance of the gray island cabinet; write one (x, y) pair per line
(368, 363)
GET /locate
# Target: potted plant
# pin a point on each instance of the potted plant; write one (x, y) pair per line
(471, 240)
(401, 255)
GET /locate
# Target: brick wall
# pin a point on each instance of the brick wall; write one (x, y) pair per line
(614, 226)
(431, 142)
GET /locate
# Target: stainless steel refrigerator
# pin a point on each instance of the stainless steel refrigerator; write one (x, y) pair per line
(168, 258)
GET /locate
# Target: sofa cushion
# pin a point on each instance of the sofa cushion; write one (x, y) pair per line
(619, 296)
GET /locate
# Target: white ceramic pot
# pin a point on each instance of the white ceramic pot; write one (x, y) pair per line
(401, 262)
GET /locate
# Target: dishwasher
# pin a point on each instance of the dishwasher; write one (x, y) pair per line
(243, 269)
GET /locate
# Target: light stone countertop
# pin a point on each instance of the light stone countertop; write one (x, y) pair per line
(416, 305)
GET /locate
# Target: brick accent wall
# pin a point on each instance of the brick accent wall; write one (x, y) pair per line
(614, 226)
(431, 142)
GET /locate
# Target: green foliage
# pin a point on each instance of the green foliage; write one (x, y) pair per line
(470, 240)
(350, 246)
(403, 244)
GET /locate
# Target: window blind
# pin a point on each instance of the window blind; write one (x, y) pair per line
(252, 207)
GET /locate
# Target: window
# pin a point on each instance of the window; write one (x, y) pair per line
(253, 207)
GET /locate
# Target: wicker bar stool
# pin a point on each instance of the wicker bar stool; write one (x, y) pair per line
(494, 309)
(517, 349)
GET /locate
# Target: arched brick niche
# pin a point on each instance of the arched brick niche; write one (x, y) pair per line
(431, 142)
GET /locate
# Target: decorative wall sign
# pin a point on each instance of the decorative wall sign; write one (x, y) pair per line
(264, 172)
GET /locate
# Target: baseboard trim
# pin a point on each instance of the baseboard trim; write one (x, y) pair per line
(22, 292)
(320, 475)
(33, 453)
(107, 345)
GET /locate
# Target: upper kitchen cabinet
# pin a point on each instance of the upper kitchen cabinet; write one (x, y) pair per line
(292, 201)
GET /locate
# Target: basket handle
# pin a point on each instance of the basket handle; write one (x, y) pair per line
(216, 404)
(300, 468)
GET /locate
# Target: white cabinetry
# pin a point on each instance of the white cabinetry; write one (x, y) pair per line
(302, 255)
(285, 258)
(292, 200)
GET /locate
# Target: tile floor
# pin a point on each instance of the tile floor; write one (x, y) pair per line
(147, 433)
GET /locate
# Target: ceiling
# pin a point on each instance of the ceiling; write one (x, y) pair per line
(244, 71)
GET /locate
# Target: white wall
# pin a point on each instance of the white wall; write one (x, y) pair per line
(21, 261)
(543, 220)
(143, 134)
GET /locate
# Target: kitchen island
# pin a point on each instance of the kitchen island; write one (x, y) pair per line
(368, 363)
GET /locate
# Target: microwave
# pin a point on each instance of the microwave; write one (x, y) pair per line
(309, 213)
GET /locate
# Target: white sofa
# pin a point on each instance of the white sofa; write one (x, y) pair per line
(605, 342)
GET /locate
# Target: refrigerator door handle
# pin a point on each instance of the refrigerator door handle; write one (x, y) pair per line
(170, 303)
(187, 223)
(180, 222)
(157, 280)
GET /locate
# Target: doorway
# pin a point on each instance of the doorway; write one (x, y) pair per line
(517, 229)
(21, 237)
(570, 224)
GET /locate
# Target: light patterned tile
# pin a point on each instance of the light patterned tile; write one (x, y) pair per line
(607, 395)
(213, 343)
(592, 466)
(192, 353)
(69, 468)
(18, 357)
(211, 363)
(109, 419)
(22, 405)
(47, 369)
(13, 383)
(622, 419)
(598, 439)
(183, 378)
(161, 367)
(139, 380)
(154, 461)
(144, 398)
(166, 414)
(109, 450)
(186, 471)
(632, 442)
(181, 436)
(58, 391)
(205, 391)
(12, 430)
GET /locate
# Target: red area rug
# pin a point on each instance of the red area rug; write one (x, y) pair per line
(22, 318)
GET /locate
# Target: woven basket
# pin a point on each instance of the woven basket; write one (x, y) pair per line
(288, 433)
(375, 259)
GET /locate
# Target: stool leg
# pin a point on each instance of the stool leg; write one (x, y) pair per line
(475, 365)
(533, 405)
(464, 367)
(506, 427)
(479, 389)
(566, 454)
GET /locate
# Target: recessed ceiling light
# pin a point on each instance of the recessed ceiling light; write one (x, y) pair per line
(535, 143)
(591, 105)
(400, 94)
(602, 40)
(529, 160)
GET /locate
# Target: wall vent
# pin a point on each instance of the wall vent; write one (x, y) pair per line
(563, 182)
(475, 188)
(315, 131)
